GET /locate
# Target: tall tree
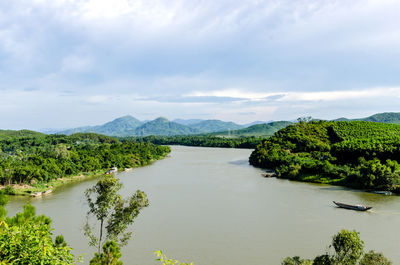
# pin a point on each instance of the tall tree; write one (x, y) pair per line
(113, 213)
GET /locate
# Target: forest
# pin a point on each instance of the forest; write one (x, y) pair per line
(199, 140)
(356, 154)
(26, 157)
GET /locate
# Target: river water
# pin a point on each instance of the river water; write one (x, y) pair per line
(209, 206)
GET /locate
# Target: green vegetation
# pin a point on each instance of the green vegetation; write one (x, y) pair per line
(27, 239)
(199, 140)
(114, 215)
(386, 117)
(265, 129)
(162, 126)
(110, 256)
(10, 134)
(357, 154)
(348, 249)
(167, 261)
(41, 160)
(123, 126)
(209, 126)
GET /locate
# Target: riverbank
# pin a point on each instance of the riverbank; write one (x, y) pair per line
(24, 189)
(30, 189)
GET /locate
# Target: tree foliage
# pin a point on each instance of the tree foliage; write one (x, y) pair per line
(164, 260)
(110, 256)
(41, 158)
(113, 213)
(200, 140)
(27, 239)
(348, 249)
(357, 154)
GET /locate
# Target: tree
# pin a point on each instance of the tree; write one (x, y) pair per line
(27, 239)
(113, 212)
(373, 258)
(296, 261)
(348, 247)
(110, 256)
(323, 260)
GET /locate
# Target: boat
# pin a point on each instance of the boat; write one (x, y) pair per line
(47, 192)
(382, 192)
(356, 207)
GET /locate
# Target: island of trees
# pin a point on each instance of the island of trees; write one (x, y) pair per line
(356, 154)
(28, 157)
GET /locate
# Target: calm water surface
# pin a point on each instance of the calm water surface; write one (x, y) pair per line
(209, 206)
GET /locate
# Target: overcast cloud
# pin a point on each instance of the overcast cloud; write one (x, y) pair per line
(66, 63)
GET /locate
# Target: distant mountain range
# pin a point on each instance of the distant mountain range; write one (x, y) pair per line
(130, 126)
(123, 126)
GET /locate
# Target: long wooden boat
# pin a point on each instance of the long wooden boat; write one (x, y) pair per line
(352, 207)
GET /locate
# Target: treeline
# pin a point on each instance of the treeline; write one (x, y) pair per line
(42, 158)
(357, 154)
(199, 140)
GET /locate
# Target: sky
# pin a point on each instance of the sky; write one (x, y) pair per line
(69, 63)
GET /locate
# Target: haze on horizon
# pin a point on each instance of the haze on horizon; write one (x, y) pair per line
(70, 63)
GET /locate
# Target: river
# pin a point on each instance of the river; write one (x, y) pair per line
(209, 206)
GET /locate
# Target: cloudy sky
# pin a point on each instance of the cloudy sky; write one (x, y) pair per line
(67, 63)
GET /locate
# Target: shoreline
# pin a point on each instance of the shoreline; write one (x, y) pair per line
(340, 182)
(25, 189)
(30, 189)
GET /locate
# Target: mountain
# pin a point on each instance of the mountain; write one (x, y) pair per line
(122, 126)
(187, 122)
(386, 117)
(19, 134)
(266, 129)
(209, 126)
(255, 123)
(162, 126)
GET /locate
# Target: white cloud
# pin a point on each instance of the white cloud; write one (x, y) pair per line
(76, 63)
(342, 95)
(298, 96)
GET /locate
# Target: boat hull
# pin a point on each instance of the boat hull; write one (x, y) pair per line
(352, 207)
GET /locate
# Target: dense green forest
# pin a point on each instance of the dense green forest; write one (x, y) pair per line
(31, 158)
(357, 154)
(199, 140)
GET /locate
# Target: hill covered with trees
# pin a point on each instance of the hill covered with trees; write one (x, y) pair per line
(357, 154)
(264, 129)
(43, 158)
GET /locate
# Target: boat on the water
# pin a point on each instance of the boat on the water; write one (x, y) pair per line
(382, 192)
(356, 207)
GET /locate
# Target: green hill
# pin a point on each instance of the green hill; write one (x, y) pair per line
(358, 154)
(162, 126)
(209, 126)
(386, 117)
(266, 129)
(119, 127)
(18, 134)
